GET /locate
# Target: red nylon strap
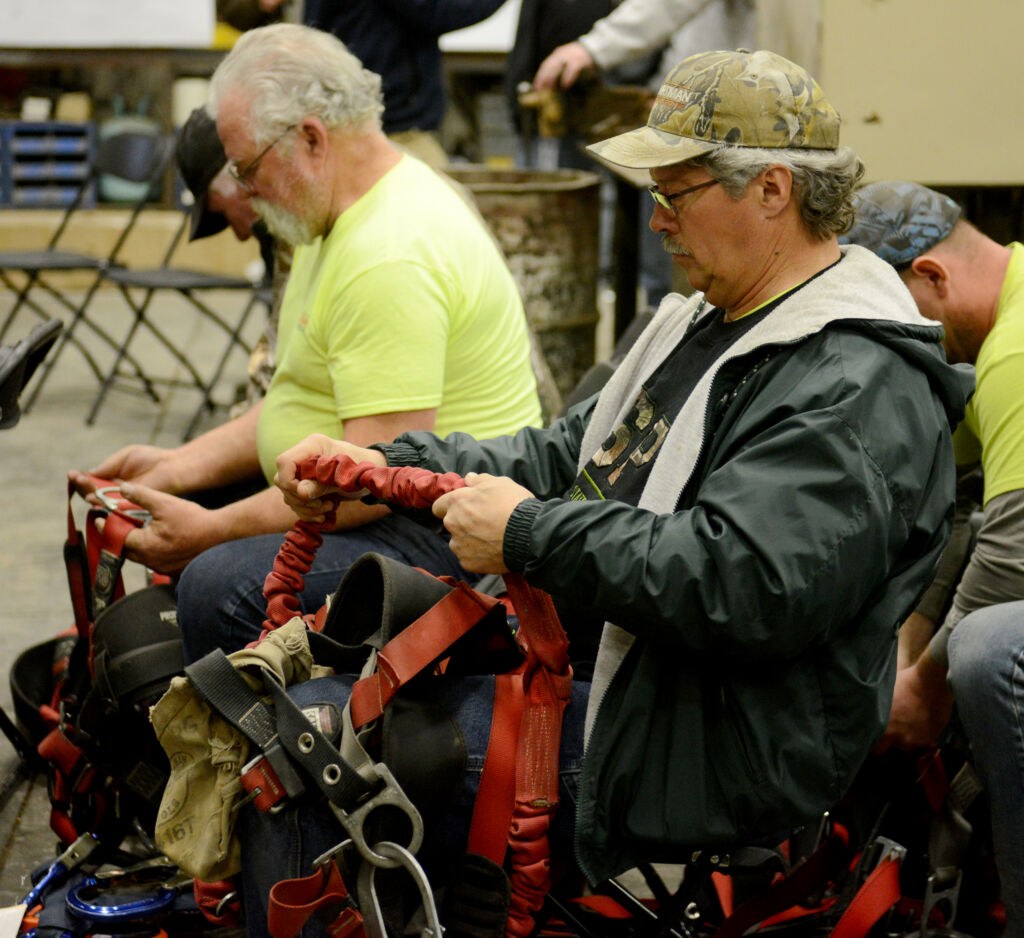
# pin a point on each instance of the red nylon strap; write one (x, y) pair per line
(55, 747)
(116, 527)
(496, 794)
(547, 681)
(74, 560)
(412, 649)
(934, 781)
(605, 906)
(811, 876)
(218, 902)
(880, 892)
(291, 902)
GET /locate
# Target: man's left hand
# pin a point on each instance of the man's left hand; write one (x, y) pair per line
(476, 517)
(177, 531)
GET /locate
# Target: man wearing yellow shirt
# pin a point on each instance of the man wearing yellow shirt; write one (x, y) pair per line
(975, 288)
(400, 314)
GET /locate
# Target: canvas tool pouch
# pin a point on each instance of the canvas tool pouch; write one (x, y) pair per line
(195, 824)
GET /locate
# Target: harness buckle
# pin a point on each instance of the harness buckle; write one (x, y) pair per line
(263, 786)
(943, 895)
(882, 849)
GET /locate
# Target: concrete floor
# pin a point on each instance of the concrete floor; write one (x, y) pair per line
(40, 449)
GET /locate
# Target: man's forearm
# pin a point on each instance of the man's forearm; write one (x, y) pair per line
(221, 456)
(914, 635)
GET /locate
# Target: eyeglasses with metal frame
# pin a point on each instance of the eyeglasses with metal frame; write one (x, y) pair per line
(667, 199)
(242, 176)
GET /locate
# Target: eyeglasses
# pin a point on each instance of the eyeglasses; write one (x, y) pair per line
(665, 199)
(242, 176)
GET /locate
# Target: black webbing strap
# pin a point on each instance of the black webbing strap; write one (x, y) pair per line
(226, 691)
(343, 786)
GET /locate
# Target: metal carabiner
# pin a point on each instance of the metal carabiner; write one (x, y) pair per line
(392, 795)
(80, 905)
(366, 894)
(103, 496)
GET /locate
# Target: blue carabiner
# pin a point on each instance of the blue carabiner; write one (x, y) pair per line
(148, 907)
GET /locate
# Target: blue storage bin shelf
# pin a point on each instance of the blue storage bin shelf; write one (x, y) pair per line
(42, 163)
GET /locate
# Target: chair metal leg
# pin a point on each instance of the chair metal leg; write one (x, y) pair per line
(22, 295)
(45, 315)
(79, 317)
(122, 355)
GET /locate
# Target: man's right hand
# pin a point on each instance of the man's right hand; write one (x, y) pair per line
(921, 706)
(562, 67)
(308, 498)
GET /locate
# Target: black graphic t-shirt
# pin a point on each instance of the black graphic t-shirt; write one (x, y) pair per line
(619, 469)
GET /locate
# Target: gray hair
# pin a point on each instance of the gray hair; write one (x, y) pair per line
(290, 71)
(823, 180)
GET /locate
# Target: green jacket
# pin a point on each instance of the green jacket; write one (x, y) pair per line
(791, 519)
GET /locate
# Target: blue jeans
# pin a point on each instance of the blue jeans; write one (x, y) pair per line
(986, 674)
(220, 593)
(284, 845)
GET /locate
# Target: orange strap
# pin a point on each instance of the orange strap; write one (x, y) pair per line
(880, 892)
(292, 902)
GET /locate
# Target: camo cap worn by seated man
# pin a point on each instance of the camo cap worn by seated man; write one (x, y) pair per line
(746, 99)
(900, 221)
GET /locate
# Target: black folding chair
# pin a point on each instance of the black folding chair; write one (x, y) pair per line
(131, 156)
(140, 286)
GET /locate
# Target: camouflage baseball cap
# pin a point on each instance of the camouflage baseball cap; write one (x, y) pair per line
(746, 99)
(900, 221)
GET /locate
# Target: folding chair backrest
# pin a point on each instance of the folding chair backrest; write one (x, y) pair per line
(133, 155)
(138, 158)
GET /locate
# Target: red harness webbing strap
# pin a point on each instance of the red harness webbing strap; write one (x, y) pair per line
(76, 562)
(412, 649)
(879, 893)
(547, 680)
(813, 874)
(931, 771)
(74, 774)
(292, 902)
(218, 902)
(262, 785)
(496, 794)
(94, 567)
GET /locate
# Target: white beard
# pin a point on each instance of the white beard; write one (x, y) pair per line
(285, 225)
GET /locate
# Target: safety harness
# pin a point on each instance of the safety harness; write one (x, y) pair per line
(71, 720)
(518, 792)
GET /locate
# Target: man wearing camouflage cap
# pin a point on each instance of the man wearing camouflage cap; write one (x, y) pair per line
(751, 504)
(974, 286)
